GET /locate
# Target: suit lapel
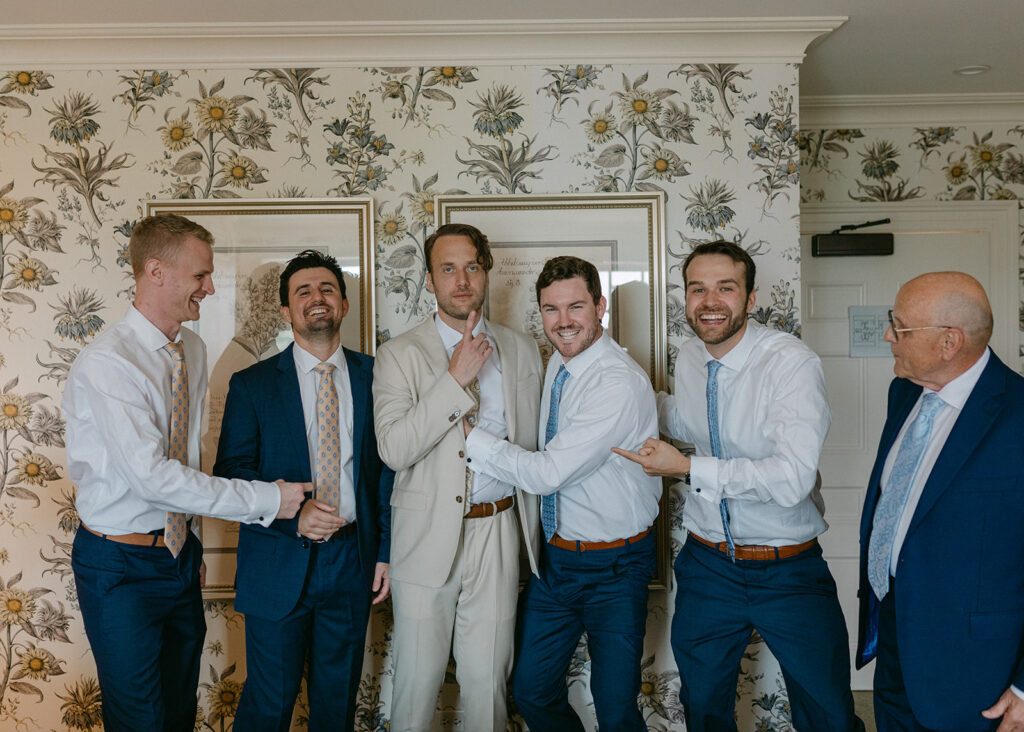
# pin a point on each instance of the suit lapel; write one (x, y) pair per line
(430, 340)
(293, 423)
(901, 403)
(359, 384)
(509, 375)
(975, 420)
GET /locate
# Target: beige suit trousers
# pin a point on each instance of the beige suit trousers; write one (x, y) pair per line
(473, 615)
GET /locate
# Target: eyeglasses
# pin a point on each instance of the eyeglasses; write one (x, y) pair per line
(896, 331)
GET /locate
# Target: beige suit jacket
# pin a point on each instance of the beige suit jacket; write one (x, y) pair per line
(418, 408)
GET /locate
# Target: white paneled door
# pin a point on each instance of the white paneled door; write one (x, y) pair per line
(979, 238)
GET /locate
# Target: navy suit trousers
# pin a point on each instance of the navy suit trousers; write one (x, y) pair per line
(328, 624)
(143, 614)
(792, 603)
(601, 593)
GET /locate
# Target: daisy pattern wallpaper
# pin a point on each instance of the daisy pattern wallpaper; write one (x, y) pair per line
(79, 151)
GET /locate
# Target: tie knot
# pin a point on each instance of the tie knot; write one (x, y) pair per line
(931, 404)
(176, 349)
(561, 376)
(325, 369)
(713, 367)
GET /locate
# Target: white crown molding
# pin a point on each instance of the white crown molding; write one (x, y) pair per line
(396, 43)
(910, 110)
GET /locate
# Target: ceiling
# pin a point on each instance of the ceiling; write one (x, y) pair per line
(887, 47)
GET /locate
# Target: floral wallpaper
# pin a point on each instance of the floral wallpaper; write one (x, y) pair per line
(80, 149)
(953, 163)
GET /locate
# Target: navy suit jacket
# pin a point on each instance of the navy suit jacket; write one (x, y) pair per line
(959, 587)
(263, 437)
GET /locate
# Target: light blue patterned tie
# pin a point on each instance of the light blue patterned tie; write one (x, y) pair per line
(716, 447)
(894, 497)
(549, 503)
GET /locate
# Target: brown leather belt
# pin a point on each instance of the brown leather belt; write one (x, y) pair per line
(759, 551)
(483, 510)
(589, 546)
(133, 539)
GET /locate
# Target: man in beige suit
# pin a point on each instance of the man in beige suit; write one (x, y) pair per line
(454, 542)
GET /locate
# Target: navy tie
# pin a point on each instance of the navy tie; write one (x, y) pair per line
(716, 447)
(549, 503)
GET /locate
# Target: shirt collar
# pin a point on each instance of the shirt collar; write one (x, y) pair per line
(737, 356)
(956, 392)
(451, 337)
(148, 334)
(582, 361)
(306, 361)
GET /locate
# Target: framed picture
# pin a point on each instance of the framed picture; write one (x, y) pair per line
(622, 234)
(242, 324)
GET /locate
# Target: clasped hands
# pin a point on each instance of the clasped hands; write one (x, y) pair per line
(657, 457)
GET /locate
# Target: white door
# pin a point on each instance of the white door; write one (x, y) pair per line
(979, 238)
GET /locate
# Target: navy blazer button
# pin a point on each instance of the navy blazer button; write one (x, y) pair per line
(305, 544)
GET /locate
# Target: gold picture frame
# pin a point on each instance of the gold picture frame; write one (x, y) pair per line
(241, 322)
(622, 234)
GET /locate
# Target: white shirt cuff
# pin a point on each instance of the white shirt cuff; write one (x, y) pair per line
(704, 478)
(479, 445)
(1018, 692)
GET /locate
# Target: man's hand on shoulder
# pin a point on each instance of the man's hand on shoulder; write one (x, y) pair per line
(1011, 708)
(291, 498)
(318, 520)
(657, 457)
(470, 355)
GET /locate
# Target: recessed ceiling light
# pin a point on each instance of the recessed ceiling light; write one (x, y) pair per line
(972, 70)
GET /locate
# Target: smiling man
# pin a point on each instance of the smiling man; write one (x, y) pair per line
(305, 585)
(456, 537)
(752, 401)
(597, 511)
(134, 408)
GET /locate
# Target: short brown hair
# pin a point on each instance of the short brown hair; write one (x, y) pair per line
(734, 251)
(483, 249)
(565, 268)
(160, 237)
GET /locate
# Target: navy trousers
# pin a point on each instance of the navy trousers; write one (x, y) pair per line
(892, 708)
(328, 624)
(143, 615)
(603, 594)
(792, 603)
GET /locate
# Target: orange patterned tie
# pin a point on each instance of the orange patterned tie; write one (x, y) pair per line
(328, 443)
(175, 526)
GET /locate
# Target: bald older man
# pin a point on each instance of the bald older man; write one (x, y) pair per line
(942, 544)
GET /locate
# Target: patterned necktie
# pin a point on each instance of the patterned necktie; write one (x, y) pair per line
(328, 442)
(716, 448)
(175, 525)
(549, 503)
(472, 417)
(890, 506)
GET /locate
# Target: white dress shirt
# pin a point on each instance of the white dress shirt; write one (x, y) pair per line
(954, 395)
(606, 402)
(309, 383)
(773, 416)
(117, 406)
(491, 417)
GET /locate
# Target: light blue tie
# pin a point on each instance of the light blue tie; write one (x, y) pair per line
(894, 497)
(549, 503)
(716, 447)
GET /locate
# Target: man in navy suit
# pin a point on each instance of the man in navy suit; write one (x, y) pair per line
(942, 548)
(305, 585)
